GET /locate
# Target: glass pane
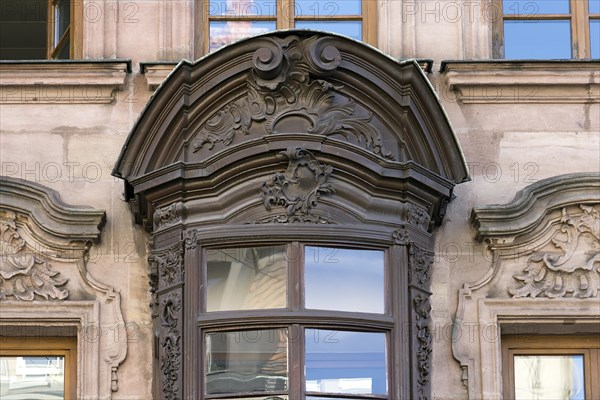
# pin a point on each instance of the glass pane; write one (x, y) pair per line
(351, 29)
(531, 8)
(65, 52)
(242, 8)
(225, 32)
(344, 279)
(537, 39)
(268, 397)
(62, 19)
(327, 8)
(246, 361)
(595, 37)
(549, 377)
(246, 278)
(594, 6)
(32, 377)
(345, 362)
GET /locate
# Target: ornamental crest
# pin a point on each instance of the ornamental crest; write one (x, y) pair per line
(298, 189)
(283, 96)
(573, 270)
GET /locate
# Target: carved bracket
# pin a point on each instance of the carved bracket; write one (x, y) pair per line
(298, 189)
(169, 215)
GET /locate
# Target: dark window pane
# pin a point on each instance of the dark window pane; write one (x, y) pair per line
(249, 278)
(344, 279)
(595, 37)
(246, 361)
(242, 8)
(531, 8)
(35, 377)
(352, 29)
(327, 8)
(65, 51)
(345, 362)
(23, 29)
(549, 377)
(537, 39)
(225, 32)
(594, 6)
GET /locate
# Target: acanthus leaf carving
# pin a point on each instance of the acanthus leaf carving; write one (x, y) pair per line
(401, 236)
(422, 308)
(25, 275)
(170, 265)
(417, 215)
(420, 266)
(281, 87)
(298, 189)
(171, 344)
(573, 271)
(167, 216)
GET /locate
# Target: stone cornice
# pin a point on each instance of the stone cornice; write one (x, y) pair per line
(523, 81)
(156, 72)
(62, 82)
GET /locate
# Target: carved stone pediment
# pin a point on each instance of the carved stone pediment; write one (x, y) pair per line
(284, 96)
(545, 266)
(44, 250)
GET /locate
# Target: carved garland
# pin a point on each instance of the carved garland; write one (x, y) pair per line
(281, 86)
(171, 345)
(298, 189)
(568, 272)
(422, 308)
(419, 272)
(24, 275)
(170, 265)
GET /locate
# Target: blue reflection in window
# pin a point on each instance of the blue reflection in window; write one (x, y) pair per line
(594, 6)
(241, 8)
(327, 8)
(344, 279)
(537, 39)
(351, 29)
(345, 362)
(531, 8)
(595, 37)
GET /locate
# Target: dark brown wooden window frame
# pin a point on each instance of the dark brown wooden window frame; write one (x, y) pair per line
(588, 346)
(578, 16)
(297, 319)
(285, 19)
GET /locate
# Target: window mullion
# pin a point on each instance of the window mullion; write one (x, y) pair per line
(296, 362)
(580, 30)
(285, 14)
(295, 282)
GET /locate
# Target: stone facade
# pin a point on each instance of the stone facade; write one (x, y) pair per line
(522, 126)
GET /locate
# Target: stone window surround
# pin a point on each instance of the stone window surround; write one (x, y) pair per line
(522, 81)
(62, 81)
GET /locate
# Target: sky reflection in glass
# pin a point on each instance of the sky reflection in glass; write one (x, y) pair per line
(537, 39)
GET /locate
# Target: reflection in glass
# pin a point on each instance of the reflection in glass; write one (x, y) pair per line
(62, 19)
(32, 377)
(351, 29)
(344, 279)
(537, 39)
(268, 397)
(595, 37)
(345, 362)
(246, 361)
(242, 8)
(594, 6)
(532, 8)
(327, 8)
(225, 32)
(549, 377)
(246, 278)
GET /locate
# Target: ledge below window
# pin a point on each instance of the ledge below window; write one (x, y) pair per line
(523, 81)
(156, 72)
(62, 82)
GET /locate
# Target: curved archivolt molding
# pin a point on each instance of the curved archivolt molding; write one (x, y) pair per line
(44, 249)
(545, 247)
(293, 85)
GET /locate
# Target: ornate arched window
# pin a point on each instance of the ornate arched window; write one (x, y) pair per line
(292, 183)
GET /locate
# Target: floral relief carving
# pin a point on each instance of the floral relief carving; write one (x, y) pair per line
(281, 88)
(171, 345)
(420, 266)
(422, 307)
(401, 236)
(298, 189)
(25, 275)
(573, 270)
(417, 215)
(170, 265)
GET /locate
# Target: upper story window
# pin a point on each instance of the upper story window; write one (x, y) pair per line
(231, 20)
(548, 29)
(40, 29)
